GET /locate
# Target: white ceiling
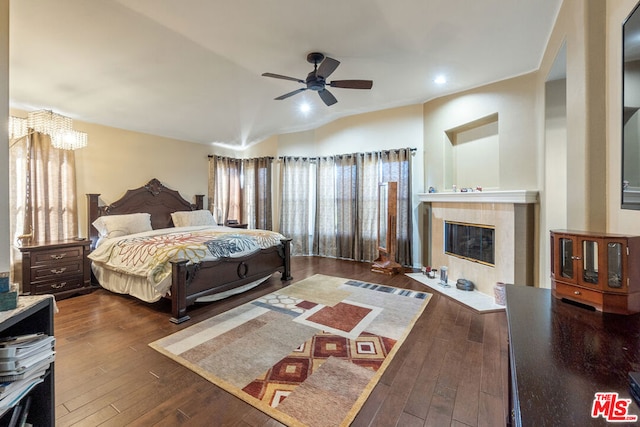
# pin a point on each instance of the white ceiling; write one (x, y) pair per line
(191, 69)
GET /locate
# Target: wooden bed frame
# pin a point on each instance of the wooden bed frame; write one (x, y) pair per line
(190, 282)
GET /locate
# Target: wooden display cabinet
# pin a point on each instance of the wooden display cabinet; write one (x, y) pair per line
(596, 269)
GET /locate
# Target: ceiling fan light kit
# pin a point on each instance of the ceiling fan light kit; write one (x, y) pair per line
(316, 80)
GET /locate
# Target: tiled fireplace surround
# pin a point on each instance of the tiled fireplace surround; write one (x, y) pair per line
(512, 215)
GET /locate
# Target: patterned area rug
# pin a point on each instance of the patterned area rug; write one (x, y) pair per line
(306, 355)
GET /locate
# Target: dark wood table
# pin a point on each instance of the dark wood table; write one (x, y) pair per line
(560, 355)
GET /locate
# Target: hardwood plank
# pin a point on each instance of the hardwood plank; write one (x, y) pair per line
(441, 407)
(107, 374)
(491, 382)
(465, 408)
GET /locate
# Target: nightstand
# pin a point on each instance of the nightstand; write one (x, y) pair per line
(59, 268)
(237, 225)
(234, 224)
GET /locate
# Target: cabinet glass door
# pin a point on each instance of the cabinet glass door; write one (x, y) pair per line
(590, 262)
(614, 265)
(566, 262)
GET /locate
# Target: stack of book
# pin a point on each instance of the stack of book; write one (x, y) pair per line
(24, 361)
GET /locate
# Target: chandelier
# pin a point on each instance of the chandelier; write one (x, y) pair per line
(58, 127)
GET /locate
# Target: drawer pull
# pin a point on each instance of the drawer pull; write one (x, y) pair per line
(59, 270)
(57, 256)
(58, 285)
(576, 292)
(576, 257)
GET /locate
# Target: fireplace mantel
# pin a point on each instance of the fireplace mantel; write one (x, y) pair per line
(503, 196)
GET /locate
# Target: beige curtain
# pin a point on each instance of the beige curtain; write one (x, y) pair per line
(225, 197)
(43, 202)
(295, 203)
(240, 189)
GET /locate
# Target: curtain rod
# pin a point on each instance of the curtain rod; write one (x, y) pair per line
(211, 156)
(413, 151)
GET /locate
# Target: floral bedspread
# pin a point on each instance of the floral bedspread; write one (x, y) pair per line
(149, 254)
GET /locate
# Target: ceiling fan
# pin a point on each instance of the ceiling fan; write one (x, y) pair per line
(317, 79)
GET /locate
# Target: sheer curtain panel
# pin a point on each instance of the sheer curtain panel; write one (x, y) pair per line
(295, 203)
(225, 199)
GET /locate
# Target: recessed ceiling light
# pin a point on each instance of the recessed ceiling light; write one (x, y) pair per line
(440, 80)
(305, 107)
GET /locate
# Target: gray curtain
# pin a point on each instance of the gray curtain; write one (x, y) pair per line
(256, 193)
(325, 241)
(368, 167)
(340, 209)
(396, 166)
(346, 206)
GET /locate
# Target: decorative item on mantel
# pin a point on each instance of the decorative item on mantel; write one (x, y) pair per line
(8, 298)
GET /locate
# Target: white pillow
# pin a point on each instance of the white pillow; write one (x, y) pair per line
(110, 226)
(189, 218)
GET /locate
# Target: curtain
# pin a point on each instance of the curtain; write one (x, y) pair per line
(324, 239)
(335, 201)
(225, 200)
(295, 203)
(367, 231)
(346, 206)
(256, 193)
(396, 166)
(240, 189)
(43, 201)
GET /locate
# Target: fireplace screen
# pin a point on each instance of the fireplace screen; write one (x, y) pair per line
(470, 241)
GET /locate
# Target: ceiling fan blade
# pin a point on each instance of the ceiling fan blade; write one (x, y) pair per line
(279, 76)
(287, 95)
(352, 84)
(327, 97)
(327, 67)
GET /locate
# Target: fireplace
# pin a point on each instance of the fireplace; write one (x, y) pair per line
(473, 242)
(485, 237)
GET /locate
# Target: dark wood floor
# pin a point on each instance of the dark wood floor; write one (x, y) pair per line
(452, 369)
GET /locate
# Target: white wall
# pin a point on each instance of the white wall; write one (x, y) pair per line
(514, 101)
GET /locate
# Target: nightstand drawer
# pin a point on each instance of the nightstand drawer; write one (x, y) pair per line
(55, 270)
(56, 256)
(55, 286)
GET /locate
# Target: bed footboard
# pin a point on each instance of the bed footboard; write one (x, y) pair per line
(192, 281)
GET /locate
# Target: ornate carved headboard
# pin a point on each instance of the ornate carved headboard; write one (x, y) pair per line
(152, 198)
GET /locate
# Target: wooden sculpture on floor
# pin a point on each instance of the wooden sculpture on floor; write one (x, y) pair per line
(387, 241)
